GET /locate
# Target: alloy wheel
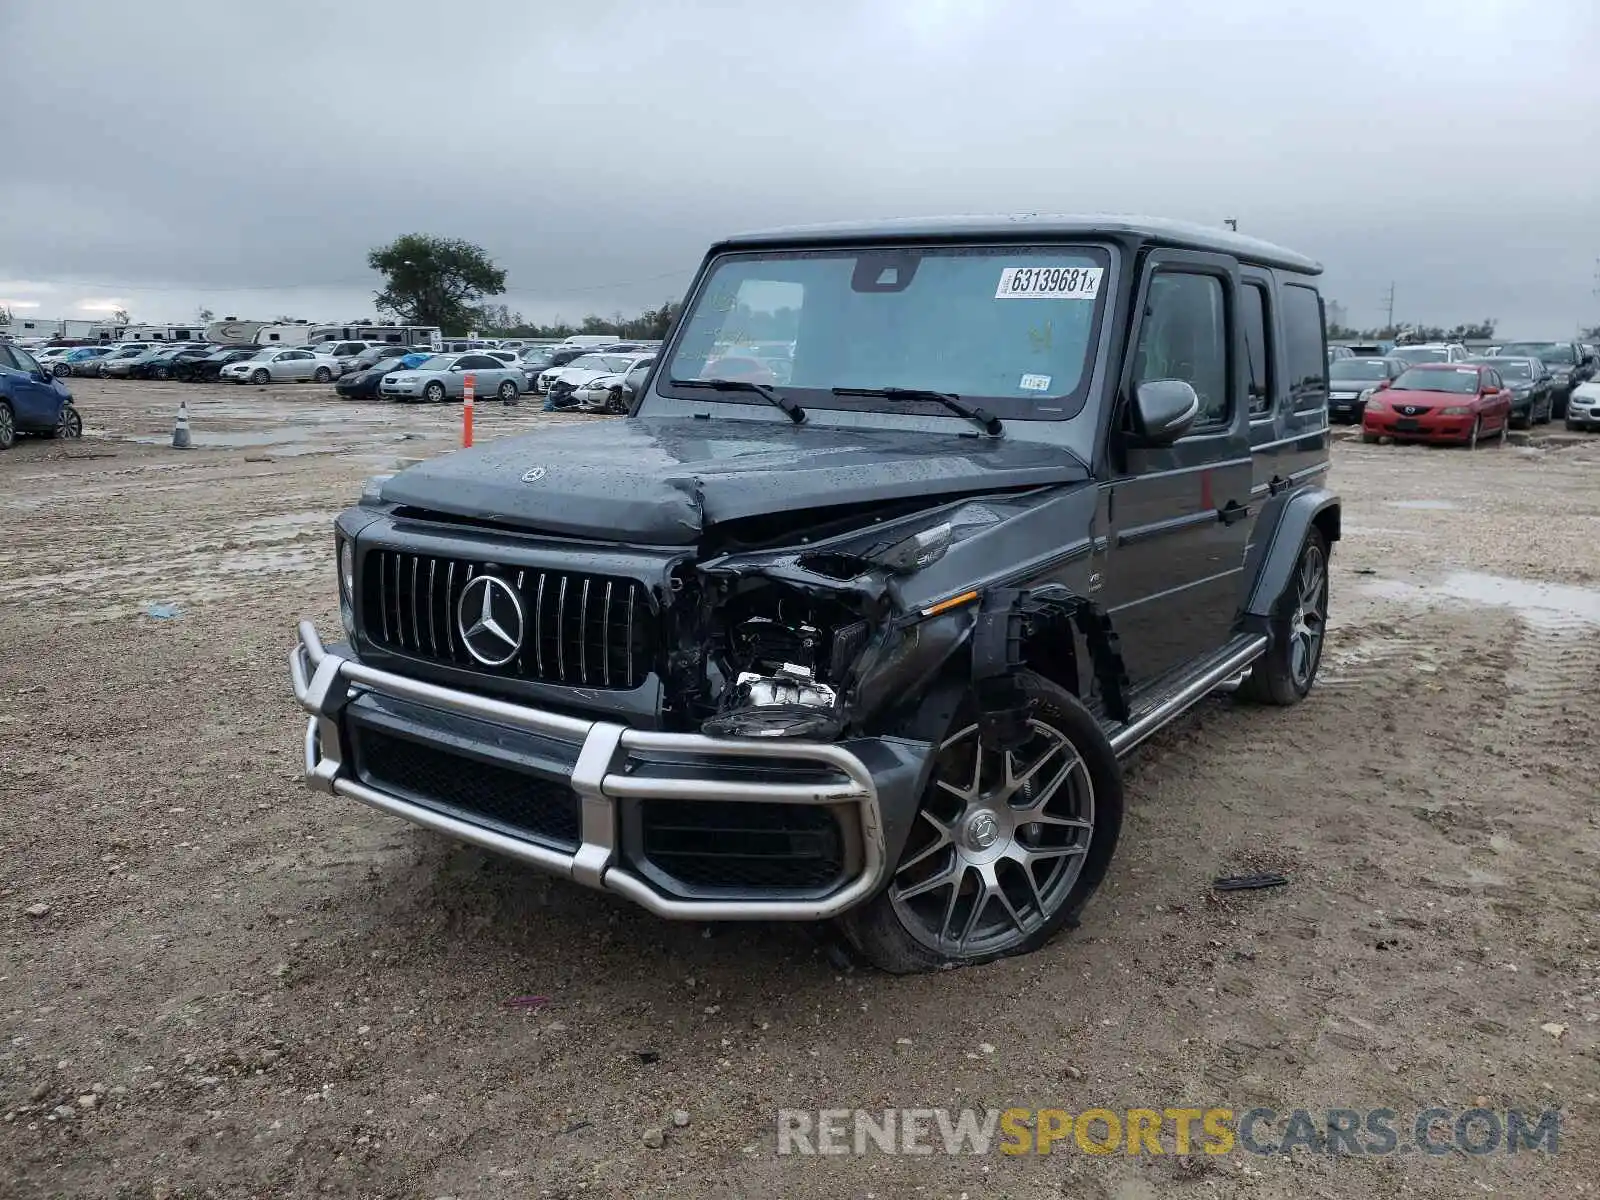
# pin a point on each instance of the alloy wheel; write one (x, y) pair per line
(8, 426)
(999, 843)
(1308, 624)
(69, 424)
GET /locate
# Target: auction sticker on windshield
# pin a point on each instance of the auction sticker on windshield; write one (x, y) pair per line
(1049, 283)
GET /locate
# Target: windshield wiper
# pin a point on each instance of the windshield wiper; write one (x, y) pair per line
(982, 416)
(791, 410)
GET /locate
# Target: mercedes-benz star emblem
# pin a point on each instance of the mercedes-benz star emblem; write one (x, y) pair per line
(533, 475)
(489, 618)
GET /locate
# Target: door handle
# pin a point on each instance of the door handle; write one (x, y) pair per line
(1233, 511)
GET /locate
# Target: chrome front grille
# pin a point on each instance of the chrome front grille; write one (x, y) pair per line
(581, 630)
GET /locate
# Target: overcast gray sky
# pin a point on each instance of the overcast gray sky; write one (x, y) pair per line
(167, 155)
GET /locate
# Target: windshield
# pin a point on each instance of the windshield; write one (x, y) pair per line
(592, 362)
(1552, 352)
(1358, 368)
(1420, 354)
(1007, 323)
(1511, 368)
(1461, 380)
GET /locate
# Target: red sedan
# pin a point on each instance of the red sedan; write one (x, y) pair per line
(1439, 402)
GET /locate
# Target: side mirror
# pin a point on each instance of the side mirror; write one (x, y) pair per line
(1164, 410)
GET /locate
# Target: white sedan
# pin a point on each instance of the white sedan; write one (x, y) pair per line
(274, 364)
(586, 367)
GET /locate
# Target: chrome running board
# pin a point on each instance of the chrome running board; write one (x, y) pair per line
(1233, 662)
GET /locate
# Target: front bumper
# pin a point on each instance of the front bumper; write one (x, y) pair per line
(614, 771)
(1430, 427)
(404, 391)
(1582, 411)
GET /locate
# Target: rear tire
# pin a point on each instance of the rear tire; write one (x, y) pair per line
(978, 879)
(61, 370)
(1286, 672)
(508, 391)
(434, 392)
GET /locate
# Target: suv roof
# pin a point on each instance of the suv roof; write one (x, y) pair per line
(1178, 234)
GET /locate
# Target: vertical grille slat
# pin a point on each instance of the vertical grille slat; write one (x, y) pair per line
(433, 607)
(450, 608)
(583, 634)
(416, 602)
(538, 624)
(561, 630)
(589, 635)
(605, 637)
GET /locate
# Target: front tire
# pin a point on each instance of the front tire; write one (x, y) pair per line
(1285, 673)
(259, 376)
(69, 424)
(61, 370)
(8, 426)
(1472, 438)
(1007, 847)
(434, 393)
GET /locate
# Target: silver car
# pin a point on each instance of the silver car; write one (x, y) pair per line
(444, 376)
(273, 364)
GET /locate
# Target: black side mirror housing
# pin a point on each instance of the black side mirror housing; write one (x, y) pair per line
(1164, 410)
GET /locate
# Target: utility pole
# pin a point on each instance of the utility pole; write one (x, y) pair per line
(1390, 323)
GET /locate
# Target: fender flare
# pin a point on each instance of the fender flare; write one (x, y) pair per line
(1280, 551)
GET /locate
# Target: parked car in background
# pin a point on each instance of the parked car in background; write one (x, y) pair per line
(85, 360)
(361, 383)
(344, 354)
(123, 366)
(558, 358)
(1352, 380)
(208, 366)
(443, 377)
(272, 364)
(33, 399)
(119, 354)
(1431, 352)
(1566, 362)
(377, 352)
(1440, 402)
(1338, 352)
(1583, 407)
(608, 393)
(1532, 397)
(166, 363)
(584, 367)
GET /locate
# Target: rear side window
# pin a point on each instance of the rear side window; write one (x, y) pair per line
(1305, 341)
(1258, 346)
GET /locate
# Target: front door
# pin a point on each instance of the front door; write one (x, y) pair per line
(34, 403)
(1178, 515)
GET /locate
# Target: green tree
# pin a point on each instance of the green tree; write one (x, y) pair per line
(120, 317)
(435, 281)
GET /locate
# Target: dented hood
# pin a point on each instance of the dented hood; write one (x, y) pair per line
(665, 480)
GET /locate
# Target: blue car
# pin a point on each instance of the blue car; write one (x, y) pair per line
(32, 400)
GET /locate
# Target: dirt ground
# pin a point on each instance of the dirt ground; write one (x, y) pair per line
(259, 991)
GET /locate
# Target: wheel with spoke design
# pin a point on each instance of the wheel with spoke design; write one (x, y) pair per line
(1010, 841)
(1285, 673)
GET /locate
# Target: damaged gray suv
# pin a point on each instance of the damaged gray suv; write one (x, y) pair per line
(913, 532)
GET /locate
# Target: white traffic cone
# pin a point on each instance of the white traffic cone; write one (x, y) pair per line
(180, 430)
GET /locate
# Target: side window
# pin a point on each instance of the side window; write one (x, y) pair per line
(1493, 380)
(8, 361)
(1184, 336)
(1258, 345)
(1304, 339)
